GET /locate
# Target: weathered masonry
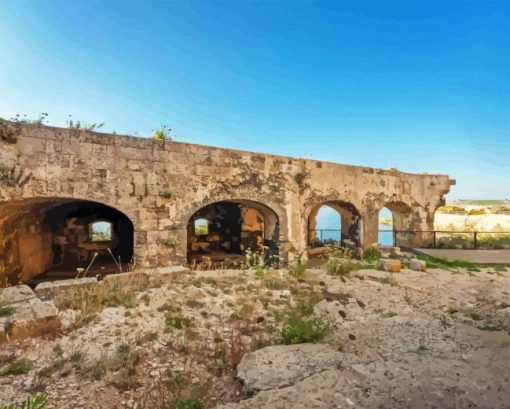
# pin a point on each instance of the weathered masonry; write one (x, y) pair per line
(67, 196)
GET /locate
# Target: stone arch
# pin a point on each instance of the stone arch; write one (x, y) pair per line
(235, 226)
(402, 222)
(48, 238)
(350, 222)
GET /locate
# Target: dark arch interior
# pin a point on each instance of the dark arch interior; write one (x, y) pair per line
(223, 232)
(49, 239)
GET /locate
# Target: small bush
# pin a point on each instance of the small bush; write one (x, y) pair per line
(299, 329)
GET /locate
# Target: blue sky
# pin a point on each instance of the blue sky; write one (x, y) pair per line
(421, 86)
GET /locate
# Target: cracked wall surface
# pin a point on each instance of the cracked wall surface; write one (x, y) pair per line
(159, 185)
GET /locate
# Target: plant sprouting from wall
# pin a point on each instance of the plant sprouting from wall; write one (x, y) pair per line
(41, 118)
(166, 192)
(163, 133)
(299, 178)
(79, 125)
(170, 240)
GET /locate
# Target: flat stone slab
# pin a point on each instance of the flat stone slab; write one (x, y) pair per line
(15, 294)
(331, 389)
(283, 365)
(51, 288)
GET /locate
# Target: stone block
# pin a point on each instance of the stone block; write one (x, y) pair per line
(15, 294)
(50, 289)
(393, 266)
(31, 319)
(417, 265)
(135, 281)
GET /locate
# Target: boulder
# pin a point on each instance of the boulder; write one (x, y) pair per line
(417, 265)
(393, 266)
(282, 365)
(15, 294)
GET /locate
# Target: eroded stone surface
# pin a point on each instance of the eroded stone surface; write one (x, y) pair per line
(15, 294)
(282, 365)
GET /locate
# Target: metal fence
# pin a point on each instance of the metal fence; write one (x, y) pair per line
(424, 238)
(483, 240)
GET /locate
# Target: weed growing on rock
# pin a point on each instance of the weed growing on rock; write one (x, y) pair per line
(174, 390)
(18, 367)
(177, 321)
(301, 325)
(298, 270)
(299, 329)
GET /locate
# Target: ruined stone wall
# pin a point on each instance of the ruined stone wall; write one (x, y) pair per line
(160, 184)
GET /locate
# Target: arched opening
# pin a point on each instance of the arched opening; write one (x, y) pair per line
(323, 219)
(221, 233)
(385, 237)
(55, 238)
(395, 225)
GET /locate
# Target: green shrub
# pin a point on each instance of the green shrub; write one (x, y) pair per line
(299, 329)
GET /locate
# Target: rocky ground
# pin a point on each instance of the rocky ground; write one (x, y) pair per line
(433, 339)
